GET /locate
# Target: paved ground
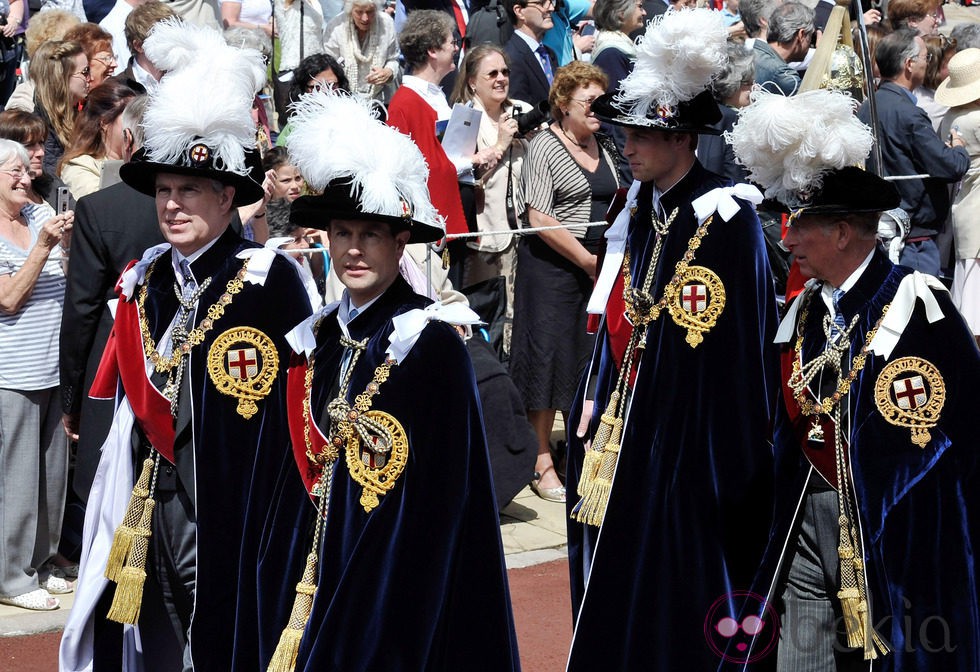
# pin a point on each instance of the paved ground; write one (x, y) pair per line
(534, 542)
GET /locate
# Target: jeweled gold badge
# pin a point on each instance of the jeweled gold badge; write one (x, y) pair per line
(242, 363)
(910, 392)
(696, 302)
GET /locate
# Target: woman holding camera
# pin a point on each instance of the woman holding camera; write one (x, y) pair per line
(33, 451)
(484, 81)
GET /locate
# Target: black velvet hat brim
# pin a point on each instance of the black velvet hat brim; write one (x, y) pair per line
(848, 190)
(694, 116)
(141, 174)
(336, 202)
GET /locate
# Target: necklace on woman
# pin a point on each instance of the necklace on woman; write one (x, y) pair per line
(571, 139)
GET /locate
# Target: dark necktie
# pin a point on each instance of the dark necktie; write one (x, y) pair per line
(545, 59)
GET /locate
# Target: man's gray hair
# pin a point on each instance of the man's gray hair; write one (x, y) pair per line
(787, 20)
(894, 49)
(132, 118)
(754, 12)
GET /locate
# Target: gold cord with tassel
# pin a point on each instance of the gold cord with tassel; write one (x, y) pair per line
(593, 456)
(284, 658)
(853, 581)
(129, 589)
(123, 536)
(287, 650)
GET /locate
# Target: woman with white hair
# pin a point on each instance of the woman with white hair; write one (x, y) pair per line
(362, 38)
(33, 452)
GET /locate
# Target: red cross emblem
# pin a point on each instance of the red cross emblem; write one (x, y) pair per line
(910, 393)
(694, 298)
(373, 459)
(243, 363)
(406, 209)
(200, 154)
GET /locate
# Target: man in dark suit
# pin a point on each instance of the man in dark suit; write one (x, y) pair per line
(112, 226)
(910, 146)
(532, 64)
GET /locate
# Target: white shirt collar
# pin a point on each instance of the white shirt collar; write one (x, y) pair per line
(431, 94)
(531, 42)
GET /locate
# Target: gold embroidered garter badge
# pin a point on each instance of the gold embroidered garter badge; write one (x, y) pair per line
(910, 392)
(696, 302)
(242, 363)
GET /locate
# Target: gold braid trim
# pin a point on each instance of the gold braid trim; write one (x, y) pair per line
(195, 336)
(601, 459)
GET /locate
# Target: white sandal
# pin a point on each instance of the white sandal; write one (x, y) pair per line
(36, 600)
(57, 585)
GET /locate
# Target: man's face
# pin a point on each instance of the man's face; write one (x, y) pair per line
(919, 64)
(813, 241)
(801, 45)
(536, 16)
(365, 256)
(656, 156)
(191, 213)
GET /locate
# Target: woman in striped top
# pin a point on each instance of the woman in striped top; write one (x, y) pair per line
(569, 177)
(33, 450)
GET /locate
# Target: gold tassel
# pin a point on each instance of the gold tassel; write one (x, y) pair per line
(129, 593)
(284, 658)
(593, 456)
(591, 509)
(445, 263)
(855, 615)
(123, 536)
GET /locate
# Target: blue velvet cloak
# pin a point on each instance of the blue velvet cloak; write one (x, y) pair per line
(419, 582)
(691, 501)
(919, 507)
(215, 461)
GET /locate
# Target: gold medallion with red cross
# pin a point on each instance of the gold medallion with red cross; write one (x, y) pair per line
(696, 301)
(242, 363)
(910, 392)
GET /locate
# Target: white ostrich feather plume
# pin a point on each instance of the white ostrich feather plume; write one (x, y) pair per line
(680, 55)
(206, 95)
(789, 143)
(337, 137)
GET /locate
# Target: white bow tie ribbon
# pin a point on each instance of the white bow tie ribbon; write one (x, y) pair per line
(409, 326)
(137, 274)
(722, 200)
(301, 337)
(914, 286)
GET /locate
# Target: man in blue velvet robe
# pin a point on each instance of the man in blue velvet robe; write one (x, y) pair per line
(902, 438)
(387, 515)
(196, 362)
(683, 382)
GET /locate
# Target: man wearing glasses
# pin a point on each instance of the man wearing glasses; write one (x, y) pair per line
(910, 146)
(533, 64)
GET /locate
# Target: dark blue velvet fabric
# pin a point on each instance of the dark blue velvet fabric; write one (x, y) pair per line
(219, 456)
(919, 508)
(418, 583)
(691, 502)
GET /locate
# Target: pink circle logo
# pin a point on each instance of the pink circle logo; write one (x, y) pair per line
(741, 627)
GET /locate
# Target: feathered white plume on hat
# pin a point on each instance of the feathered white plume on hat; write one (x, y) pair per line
(680, 55)
(206, 94)
(789, 143)
(337, 137)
